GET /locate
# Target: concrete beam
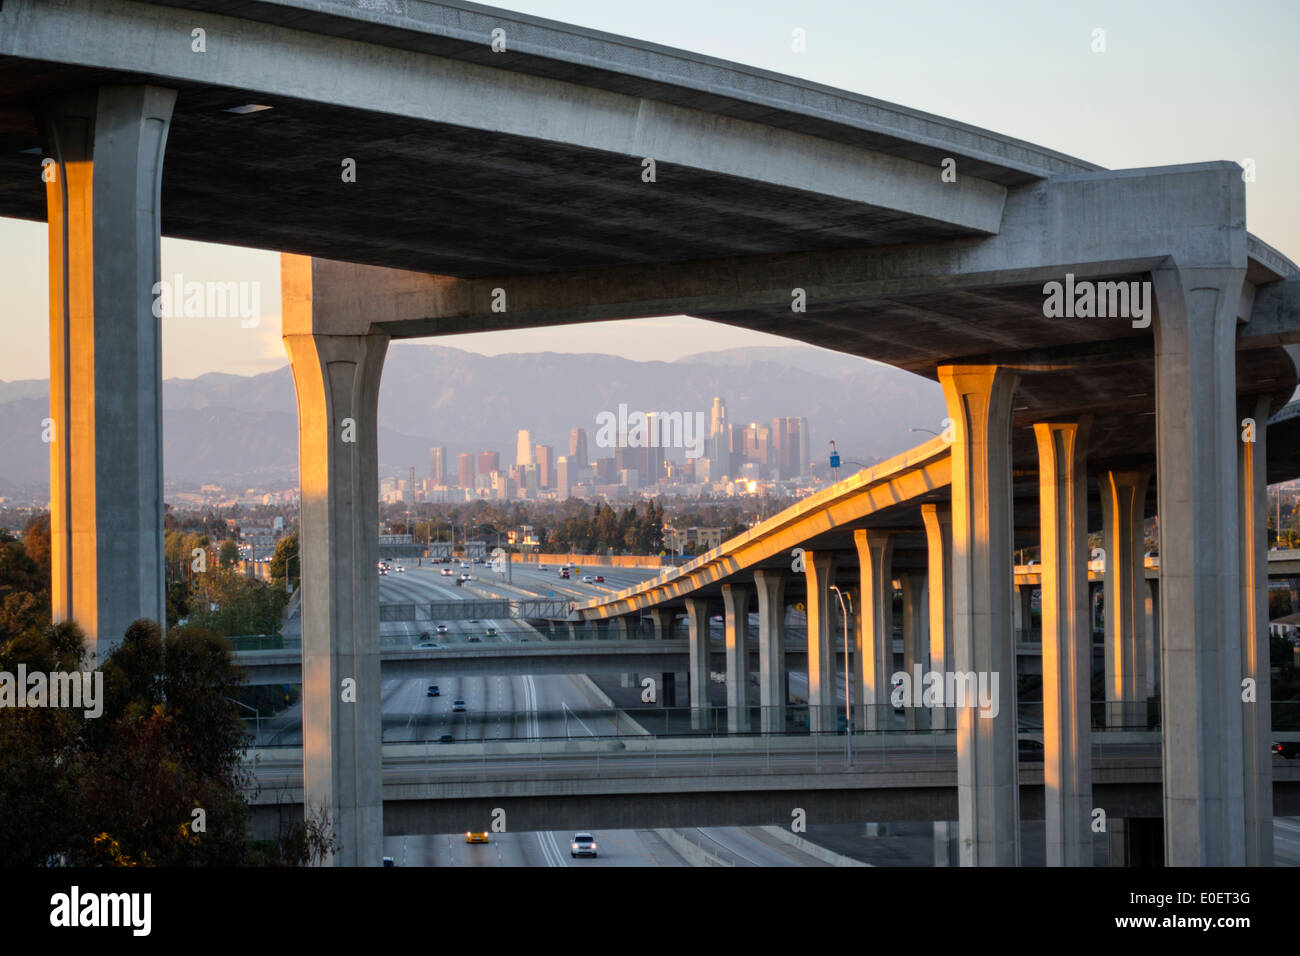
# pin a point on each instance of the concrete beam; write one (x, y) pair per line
(1067, 641)
(735, 603)
(106, 468)
(979, 402)
(1197, 436)
(874, 651)
(337, 383)
(770, 588)
(1256, 706)
(1123, 498)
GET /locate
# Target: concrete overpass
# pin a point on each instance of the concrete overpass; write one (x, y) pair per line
(774, 204)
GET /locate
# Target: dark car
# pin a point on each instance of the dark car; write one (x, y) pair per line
(433, 691)
(424, 635)
(1287, 748)
(446, 739)
(600, 579)
(474, 640)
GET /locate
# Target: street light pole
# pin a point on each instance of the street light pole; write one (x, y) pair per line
(848, 713)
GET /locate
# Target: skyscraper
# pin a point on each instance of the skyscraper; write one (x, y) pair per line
(563, 480)
(488, 462)
(524, 448)
(578, 448)
(437, 464)
(545, 456)
(789, 444)
(718, 438)
(465, 470)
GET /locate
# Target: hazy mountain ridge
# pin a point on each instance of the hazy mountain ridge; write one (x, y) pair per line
(242, 429)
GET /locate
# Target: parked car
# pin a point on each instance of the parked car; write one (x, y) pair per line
(584, 844)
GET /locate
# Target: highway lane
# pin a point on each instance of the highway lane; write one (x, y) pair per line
(1286, 841)
(615, 848)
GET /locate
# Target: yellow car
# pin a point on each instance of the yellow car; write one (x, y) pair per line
(476, 837)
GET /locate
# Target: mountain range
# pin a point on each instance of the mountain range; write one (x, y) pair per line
(242, 430)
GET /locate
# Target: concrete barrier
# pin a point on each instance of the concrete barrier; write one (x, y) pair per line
(812, 849)
(688, 851)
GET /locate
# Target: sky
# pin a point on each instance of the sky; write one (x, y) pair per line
(1180, 81)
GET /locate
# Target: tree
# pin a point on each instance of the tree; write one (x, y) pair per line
(284, 561)
(228, 555)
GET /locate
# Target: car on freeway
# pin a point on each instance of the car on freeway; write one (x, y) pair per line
(490, 632)
(587, 579)
(460, 582)
(429, 646)
(479, 836)
(541, 567)
(458, 706)
(447, 572)
(474, 639)
(400, 569)
(584, 844)
(442, 628)
(388, 861)
(467, 577)
(564, 573)
(600, 579)
(446, 739)
(433, 691)
(1289, 749)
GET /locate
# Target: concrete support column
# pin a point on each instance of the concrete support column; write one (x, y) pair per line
(337, 382)
(697, 621)
(819, 574)
(1025, 609)
(1197, 437)
(1067, 648)
(1153, 637)
(106, 498)
(663, 621)
(735, 602)
(988, 791)
(946, 845)
(1123, 495)
(1256, 717)
(916, 640)
(938, 537)
(618, 631)
(873, 654)
(770, 587)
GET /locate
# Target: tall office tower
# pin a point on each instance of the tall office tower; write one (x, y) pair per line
(563, 481)
(605, 471)
(578, 448)
(758, 441)
(410, 487)
(524, 448)
(488, 462)
(789, 442)
(529, 479)
(545, 455)
(805, 442)
(652, 458)
(465, 469)
(718, 429)
(437, 464)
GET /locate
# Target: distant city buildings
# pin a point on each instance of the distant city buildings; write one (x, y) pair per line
(728, 459)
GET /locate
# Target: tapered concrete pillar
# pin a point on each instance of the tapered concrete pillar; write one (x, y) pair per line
(663, 622)
(988, 792)
(337, 382)
(1067, 648)
(106, 474)
(1256, 718)
(938, 538)
(735, 603)
(1123, 495)
(874, 651)
(1197, 438)
(770, 588)
(916, 641)
(697, 621)
(819, 574)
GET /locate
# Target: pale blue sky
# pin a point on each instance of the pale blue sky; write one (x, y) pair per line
(1181, 81)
